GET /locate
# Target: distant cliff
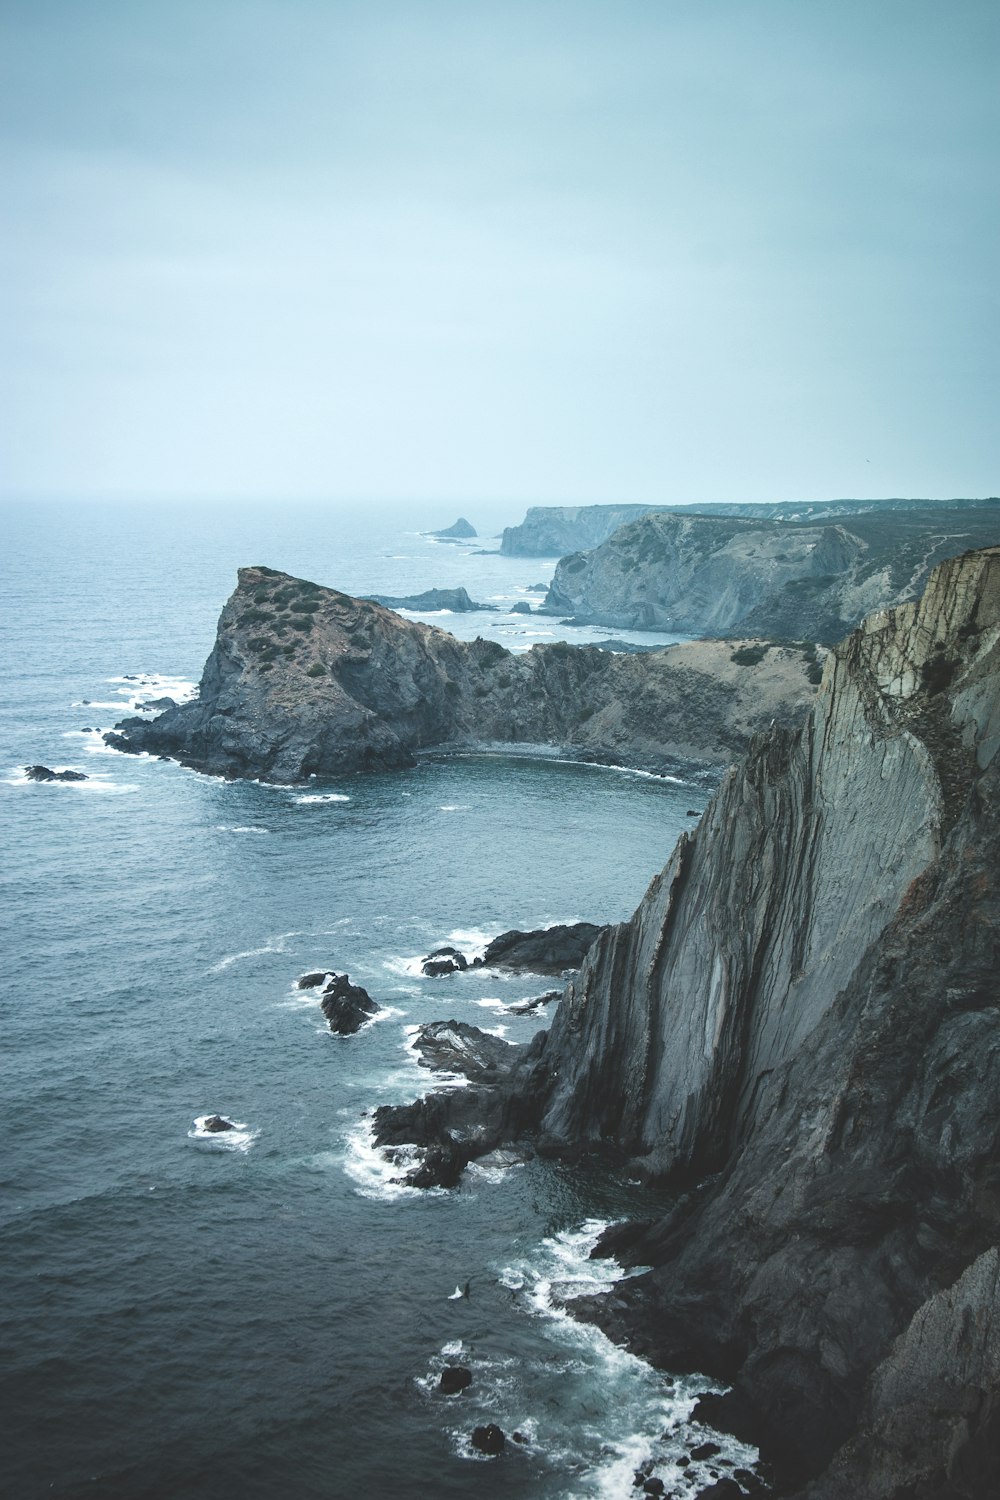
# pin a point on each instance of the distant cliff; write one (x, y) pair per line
(305, 680)
(710, 574)
(800, 1029)
(555, 530)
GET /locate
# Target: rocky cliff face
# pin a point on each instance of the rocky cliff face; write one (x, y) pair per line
(773, 577)
(307, 680)
(800, 1027)
(555, 530)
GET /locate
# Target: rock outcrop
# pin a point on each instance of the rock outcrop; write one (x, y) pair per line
(347, 1006)
(547, 950)
(800, 1029)
(456, 600)
(44, 773)
(712, 574)
(460, 530)
(304, 680)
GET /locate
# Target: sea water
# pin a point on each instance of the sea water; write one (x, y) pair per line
(266, 1312)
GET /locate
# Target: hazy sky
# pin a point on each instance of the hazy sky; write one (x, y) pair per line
(653, 250)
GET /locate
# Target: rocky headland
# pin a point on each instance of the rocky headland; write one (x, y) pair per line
(305, 680)
(799, 1029)
(777, 577)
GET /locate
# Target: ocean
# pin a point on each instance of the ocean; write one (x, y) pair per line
(266, 1313)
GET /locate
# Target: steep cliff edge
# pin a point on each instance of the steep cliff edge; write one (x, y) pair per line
(773, 577)
(305, 680)
(800, 1027)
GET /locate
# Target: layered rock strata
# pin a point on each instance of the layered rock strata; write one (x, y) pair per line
(304, 680)
(776, 577)
(800, 1028)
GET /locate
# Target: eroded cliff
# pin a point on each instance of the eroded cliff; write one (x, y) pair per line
(800, 1027)
(305, 680)
(778, 576)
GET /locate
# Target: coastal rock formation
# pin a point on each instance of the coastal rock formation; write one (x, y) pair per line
(456, 1047)
(460, 530)
(547, 950)
(304, 680)
(346, 1006)
(43, 773)
(775, 578)
(456, 600)
(799, 1028)
(555, 530)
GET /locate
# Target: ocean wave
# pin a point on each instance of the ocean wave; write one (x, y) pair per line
(309, 797)
(240, 828)
(273, 945)
(240, 1138)
(372, 1169)
(95, 782)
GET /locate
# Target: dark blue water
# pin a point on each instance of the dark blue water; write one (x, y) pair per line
(266, 1314)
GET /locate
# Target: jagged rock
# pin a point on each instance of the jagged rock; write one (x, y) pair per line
(441, 1167)
(653, 1486)
(217, 1123)
(454, 1379)
(159, 704)
(488, 1439)
(346, 1006)
(456, 1047)
(443, 961)
(42, 773)
(723, 1489)
(456, 600)
(458, 529)
(522, 607)
(310, 981)
(304, 680)
(547, 950)
(705, 1450)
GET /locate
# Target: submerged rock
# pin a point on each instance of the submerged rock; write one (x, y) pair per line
(43, 773)
(217, 1123)
(346, 1006)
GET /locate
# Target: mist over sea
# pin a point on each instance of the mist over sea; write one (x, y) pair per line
(265, 1313)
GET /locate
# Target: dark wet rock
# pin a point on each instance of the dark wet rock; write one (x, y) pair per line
(488, 1439)
(455, 600)
(347, 1006)
(522, 607)
(454, 1379)
(724, 1489)
(443, 961)
(529, 1007)
(458, 529)
(217, 1123)
(547, 950)
(518, 1437)
(159, 705)
(456, 1047)
(653, 1486)
(310, 981)
(441, 1167)
(43, 773)
(692, 812)
(618, 1239)
(705, 1450)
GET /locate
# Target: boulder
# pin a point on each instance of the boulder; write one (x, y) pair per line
(529, 1007)
(442, 1167)
(216, 1123)
(443, 961)
(42, 773)
(522, 607)
(454, 1379)
(347, 1006)
(456, 1047)
(310, 981)
(547, 950)
(488, 1439)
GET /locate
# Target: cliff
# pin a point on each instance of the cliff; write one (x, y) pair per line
(555, 530)
(305, 680)
(773, 577)
(800, 1029)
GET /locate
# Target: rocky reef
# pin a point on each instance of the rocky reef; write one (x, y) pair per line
(457, 600)
(780, 576)
(460, 530)
(799, 1029)
(305, 680)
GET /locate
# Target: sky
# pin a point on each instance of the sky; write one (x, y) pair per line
(471, 250)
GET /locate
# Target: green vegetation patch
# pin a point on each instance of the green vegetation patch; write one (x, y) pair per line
(256, 616)
(316, 670)
(749, 656)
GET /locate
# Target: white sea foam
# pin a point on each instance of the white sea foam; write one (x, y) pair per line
(454, 807)
(240, 1138)
(95, 782)
(240, 828)
(273, 945)
(310, 797)
(372, 1170)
